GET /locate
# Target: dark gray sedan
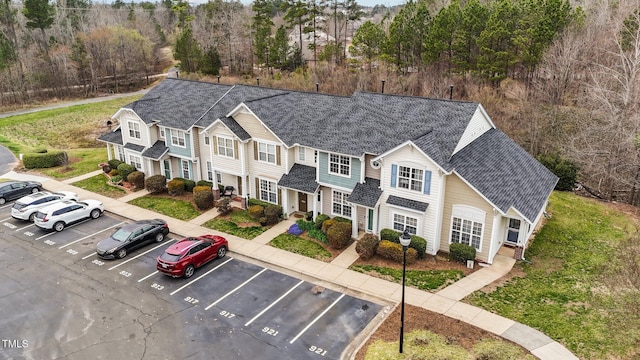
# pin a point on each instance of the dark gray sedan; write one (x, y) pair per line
(13, 189)
(131, 237)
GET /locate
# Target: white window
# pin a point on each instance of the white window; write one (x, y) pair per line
(218, 177)
(121, 156)
(466, 232)
(268, 191)
(209, 171)
(162, 133)
(207, 141)
(339, 165)
(177, 138)
(225, 146)
(267, 153)
(134, 130)
(185, 170)
(339, 204)
(135, 161)
(401, 222)
(410, 178)
(301, 153)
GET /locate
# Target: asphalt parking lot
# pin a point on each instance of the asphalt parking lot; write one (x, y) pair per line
(59, 300)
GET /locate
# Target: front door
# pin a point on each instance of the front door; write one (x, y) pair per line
(370, 220)
(302, 202)
(513, 231)
(167, 169)
(240, 186)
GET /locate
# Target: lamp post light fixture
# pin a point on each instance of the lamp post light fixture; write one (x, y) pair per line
(405, 240)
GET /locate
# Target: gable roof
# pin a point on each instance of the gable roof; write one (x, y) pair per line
(505, 174)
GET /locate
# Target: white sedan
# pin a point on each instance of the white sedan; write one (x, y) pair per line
(59, 215)
(26, 207)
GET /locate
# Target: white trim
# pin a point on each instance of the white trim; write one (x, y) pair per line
(275, 152)
(133, 129)
(399, 213)
(345, 203)
(340, 157)
(259, 189)
(469, 213)
(410, 143)
(226, 151)
(184, 137)
(243, 106)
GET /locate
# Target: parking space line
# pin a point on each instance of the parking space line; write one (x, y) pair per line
(273, 303)
(144, 253)
(5, 206)
(200, 277)
(9, 218)
(148, 276)
(88, 236)
(24, 227)
(88, 256)
(66, 227)
(45, 235)
(316, 319)
(236, 289)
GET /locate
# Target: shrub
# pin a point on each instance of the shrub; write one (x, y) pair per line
(45, 160)
(136, 179)
(114, 163)
(341, 219)
(256, 211)
(318, 235)
(305, 225)
(204, 183)
(320, 219)
(272, 214)
(189, 185)
(339, 235)
(419, 244)
(565, 169)
(106, 169)
(461, 252)
(327, 224)
(125, 170)
(203, 197)
(224, 206)
(114, 172)
(156, 184)
(366, 246)
(390, 234)
(40, 150)
(295, 230)
(116, 179)
(392, 251)
(175, 186)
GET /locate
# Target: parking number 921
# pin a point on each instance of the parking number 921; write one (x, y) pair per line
(317, 350)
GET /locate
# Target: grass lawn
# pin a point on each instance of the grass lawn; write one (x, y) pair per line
(575, 288)
(230, 227)
(420, 279)
(178, 209)
(98, 184)
(72, 129)
(299, 245)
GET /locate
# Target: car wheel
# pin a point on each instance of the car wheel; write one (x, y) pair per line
(121, 253)
(159, 237)
(222, 251)
(59, 226)
(34, 190)
(2, 201)
(32, 217)
(95, 213)
(188, 271)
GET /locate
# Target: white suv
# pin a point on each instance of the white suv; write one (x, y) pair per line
(26, 207)
(57, 216)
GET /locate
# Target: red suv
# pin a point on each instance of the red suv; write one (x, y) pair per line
(183, 257)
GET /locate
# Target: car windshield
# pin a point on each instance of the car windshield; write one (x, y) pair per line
(169, 257)
(18, 205)
(40, 215)
(121, 235)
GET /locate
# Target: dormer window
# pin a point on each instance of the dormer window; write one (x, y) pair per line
(134, 130)
(339, 165)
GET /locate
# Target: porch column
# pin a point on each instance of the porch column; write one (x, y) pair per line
(285, 201)
(354, 221)
(315, 204)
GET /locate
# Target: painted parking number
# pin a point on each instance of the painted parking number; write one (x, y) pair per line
(270, 331)
(29, 233)
(72, 252)
(317, 350)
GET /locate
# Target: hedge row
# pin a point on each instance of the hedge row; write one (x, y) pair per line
(45, 160)
(419, 244)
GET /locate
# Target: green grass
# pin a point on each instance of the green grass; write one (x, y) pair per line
(423, 280)
(72, 129)
(232, 228)
(178, 209)
(98, 184)
(241, 216)
(298, 245)
(570, 291)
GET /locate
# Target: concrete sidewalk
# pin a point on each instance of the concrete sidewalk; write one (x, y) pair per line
(446, 301)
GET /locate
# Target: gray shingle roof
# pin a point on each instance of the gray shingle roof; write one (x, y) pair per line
(134, 147)
(156, 151)
(233, 125)
(505, 173)
(366, 194)
(114, 137)
(407, 203)
(301, 178)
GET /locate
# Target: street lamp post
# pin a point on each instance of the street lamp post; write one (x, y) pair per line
(405, 240)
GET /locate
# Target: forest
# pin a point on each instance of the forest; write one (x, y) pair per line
(559, 77)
